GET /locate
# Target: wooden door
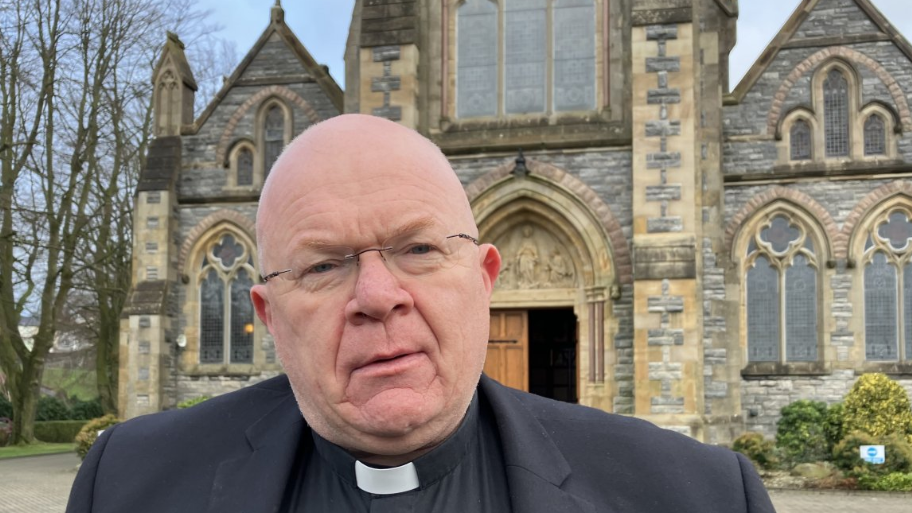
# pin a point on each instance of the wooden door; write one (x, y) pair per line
(508, 348)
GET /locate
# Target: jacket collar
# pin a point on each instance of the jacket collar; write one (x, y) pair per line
(535, 467)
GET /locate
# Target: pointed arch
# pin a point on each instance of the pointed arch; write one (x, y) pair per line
(240, 222)
(552, 186)
(871, 204)
(789, 199)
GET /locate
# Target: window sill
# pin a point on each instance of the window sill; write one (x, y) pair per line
(889, 368)
(230, 370)
(765, 369)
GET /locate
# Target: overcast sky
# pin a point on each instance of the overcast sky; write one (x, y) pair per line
(322, 26)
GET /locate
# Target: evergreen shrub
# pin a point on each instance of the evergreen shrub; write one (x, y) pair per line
(801, 432)
(58, 431)
(6, 407)
(51, 408)
(877, 405)
(89, 433)
(898, 451)
(893, 482)
(86, 410)
(832, 426)
(758, 449)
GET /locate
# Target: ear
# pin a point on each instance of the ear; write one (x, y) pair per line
(260, 299)
(489, 258)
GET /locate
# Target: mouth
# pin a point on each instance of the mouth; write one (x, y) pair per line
(389, 365)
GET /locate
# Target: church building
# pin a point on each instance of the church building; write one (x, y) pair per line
(672, 250)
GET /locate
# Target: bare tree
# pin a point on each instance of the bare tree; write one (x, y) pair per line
(75, 80)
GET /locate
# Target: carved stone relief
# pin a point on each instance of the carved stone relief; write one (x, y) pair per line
(533, 258)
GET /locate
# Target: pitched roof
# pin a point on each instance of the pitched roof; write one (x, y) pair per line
(174, 48)
(888, 33)
(276, 26)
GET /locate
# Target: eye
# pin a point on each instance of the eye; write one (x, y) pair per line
(419, 249)
(321, 268)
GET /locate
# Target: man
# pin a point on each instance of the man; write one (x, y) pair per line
(377, 291)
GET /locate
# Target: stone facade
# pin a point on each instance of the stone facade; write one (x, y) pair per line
(635, 214)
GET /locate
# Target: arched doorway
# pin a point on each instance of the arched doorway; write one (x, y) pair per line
(551, 308)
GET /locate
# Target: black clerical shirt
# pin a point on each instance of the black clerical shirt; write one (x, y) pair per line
(465, 473)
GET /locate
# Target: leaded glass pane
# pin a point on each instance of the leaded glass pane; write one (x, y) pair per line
(836, 114)
(574, 55)
(875, 136)
(762, 312)
(245, 167)
(897, 230)
(780, 234)
(274, 136)
(880, 309)
(524, 49)
(907, 308)
(476, 73)
(800, 139)
(801, 311)
(241, 319)
(212, 312)
(227, 251)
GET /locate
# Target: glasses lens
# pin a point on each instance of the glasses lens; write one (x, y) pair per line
(420, 254)
(319, 269)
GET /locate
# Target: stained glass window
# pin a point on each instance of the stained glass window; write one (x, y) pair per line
(574, 55)
(897, 231)
(783, 319)
(800, 140)
(212, 321)
(274, 136)
(226, 312)
(244, 167)
(836, 114)
(801, 311)
(524, 56)
(880, 309)
(763, 312)
(875, 136)
(476, 59)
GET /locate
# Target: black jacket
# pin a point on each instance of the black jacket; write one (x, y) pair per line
(234, 454)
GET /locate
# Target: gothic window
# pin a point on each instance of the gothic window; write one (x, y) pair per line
(875, 136)
(800, 139)
(888, 288)
(273, 137)
(836, 114)
(226, 313)
(540, 58)
(782, 276)
(244, 167)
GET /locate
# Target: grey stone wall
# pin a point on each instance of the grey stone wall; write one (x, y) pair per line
(191, 387)
(836, 18)
(763, 398)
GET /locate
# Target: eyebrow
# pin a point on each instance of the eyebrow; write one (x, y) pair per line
(412, 226)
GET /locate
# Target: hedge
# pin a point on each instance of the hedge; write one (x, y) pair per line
(58, 431)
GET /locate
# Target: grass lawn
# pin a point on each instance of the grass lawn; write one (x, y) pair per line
(76, 382)
(35, 449)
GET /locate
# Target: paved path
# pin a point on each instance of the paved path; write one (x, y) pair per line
(41, 484)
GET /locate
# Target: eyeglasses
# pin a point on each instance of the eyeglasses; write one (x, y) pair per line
(323, 268)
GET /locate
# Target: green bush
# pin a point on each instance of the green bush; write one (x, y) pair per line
(51, 408)
(892, 482)
(832, 426)
(759, 450)
(58, 431)
(877, 405)
(192, 402)
(898, 454)
(801, 432)
(6, 407)
(89, 433)
(87, 410)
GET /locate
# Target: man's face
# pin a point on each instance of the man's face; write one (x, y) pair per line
(385, 363)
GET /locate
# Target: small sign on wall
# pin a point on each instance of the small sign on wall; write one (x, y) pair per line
(873, 454)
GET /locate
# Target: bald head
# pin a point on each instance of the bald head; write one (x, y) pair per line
(350, 159)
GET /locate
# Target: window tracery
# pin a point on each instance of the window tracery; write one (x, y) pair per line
(226, 312)
(887, 278)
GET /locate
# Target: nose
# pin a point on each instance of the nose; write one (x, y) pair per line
(378, 293)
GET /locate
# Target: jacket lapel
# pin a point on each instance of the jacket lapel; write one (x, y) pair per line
(536, 468)
(256, 482)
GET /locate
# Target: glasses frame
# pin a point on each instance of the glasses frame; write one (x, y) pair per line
(357, 256)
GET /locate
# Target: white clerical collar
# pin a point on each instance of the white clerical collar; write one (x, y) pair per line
(386, 481)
